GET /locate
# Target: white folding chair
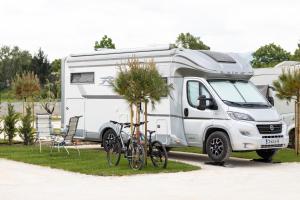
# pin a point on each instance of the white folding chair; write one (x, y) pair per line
(44, 128)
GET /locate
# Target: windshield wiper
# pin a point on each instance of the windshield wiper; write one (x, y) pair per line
(256, 104)
(245, 104)
(233, 103)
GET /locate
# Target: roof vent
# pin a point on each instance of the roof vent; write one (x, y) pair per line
(219, 57)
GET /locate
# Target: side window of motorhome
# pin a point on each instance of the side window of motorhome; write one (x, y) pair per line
(84, 77)
(194, 90)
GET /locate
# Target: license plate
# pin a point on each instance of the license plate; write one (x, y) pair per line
(271, 141)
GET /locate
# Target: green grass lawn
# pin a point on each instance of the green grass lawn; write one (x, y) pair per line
(283, 155)
(91, 161)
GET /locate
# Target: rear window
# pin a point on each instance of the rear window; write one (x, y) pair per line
(84, 77)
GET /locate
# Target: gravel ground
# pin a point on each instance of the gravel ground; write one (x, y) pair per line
(240, 179)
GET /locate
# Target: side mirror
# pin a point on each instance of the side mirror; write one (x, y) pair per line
(202, 102)
(271, 100)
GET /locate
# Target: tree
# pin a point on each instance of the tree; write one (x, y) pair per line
(26, 85)
(269, 55)
(188, 41)
(140, 83)
(55, 79)
(296, 55)
(10, 121)
(26, 131)
(41, 66)
(105, 42)
(48, 97)
(13, 61)
(288, 87)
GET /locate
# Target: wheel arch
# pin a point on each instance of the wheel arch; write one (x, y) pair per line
(211, 130)
(107, 126)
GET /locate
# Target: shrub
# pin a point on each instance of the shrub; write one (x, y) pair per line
(10, 121)
(26, 131)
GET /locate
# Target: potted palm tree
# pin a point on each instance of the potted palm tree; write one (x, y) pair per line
(288, 87)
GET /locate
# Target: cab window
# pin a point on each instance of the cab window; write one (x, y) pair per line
(194, 90)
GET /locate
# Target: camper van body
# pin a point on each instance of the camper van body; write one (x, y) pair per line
(177, 120)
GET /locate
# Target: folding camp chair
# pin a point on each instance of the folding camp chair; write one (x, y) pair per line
(67, 138)
(44, 129)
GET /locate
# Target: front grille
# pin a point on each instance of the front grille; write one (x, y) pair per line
(272, 136)
(272, 146)
(269, 128)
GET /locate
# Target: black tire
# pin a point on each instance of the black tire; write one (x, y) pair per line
(292, 139)
(136, 156)
(218, 147)
(266, 154)
(158, 155)
(113, 155)
(109, 138)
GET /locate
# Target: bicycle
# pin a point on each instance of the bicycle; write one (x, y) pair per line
(133, 151)
(157, 152)
(155, 149)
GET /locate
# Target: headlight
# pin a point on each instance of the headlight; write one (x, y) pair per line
(240, 116)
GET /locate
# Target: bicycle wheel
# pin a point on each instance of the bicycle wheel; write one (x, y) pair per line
(113, 154)
(136, 156)
(158, 155)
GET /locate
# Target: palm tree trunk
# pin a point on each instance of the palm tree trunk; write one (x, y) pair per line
(138, 120)
(131, 119)
(146, 133)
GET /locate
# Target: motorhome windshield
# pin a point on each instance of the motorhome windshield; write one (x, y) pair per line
(239, 93)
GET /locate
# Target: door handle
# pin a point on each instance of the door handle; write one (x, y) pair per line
(186, 112)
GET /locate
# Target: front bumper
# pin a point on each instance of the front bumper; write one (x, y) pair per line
(245, 136)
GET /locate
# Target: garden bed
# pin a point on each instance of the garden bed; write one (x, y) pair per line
(91, 161)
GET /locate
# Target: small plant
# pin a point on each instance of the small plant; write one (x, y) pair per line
(26, 131)
(10, 121)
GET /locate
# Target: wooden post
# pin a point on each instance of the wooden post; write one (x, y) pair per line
(297, 132)
(146, 131)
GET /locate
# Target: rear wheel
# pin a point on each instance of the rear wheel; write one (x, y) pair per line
(266, 154)
(158, 155)
(113, 154)
(218, 146)
(109, 138)
(292, 139)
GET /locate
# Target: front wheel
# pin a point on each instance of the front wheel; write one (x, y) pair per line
(136, 156)
(158, 155)
(113, 154)
(266, 154)
(218, 146)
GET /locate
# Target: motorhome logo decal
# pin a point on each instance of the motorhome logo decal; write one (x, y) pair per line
(107, 80)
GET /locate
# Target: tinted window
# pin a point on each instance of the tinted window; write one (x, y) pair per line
(85, 77)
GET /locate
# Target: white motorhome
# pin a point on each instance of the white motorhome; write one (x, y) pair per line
(264, 77)
(213, 105)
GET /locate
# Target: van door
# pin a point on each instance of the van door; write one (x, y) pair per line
(75, 107)
(195, 121)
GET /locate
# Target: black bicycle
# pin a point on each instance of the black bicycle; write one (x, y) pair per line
(157, 152)
(155, 149)
(133, 151)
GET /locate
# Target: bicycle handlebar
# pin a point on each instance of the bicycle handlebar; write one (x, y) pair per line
(127, 124)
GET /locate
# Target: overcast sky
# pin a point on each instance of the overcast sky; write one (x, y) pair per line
(62, 27)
